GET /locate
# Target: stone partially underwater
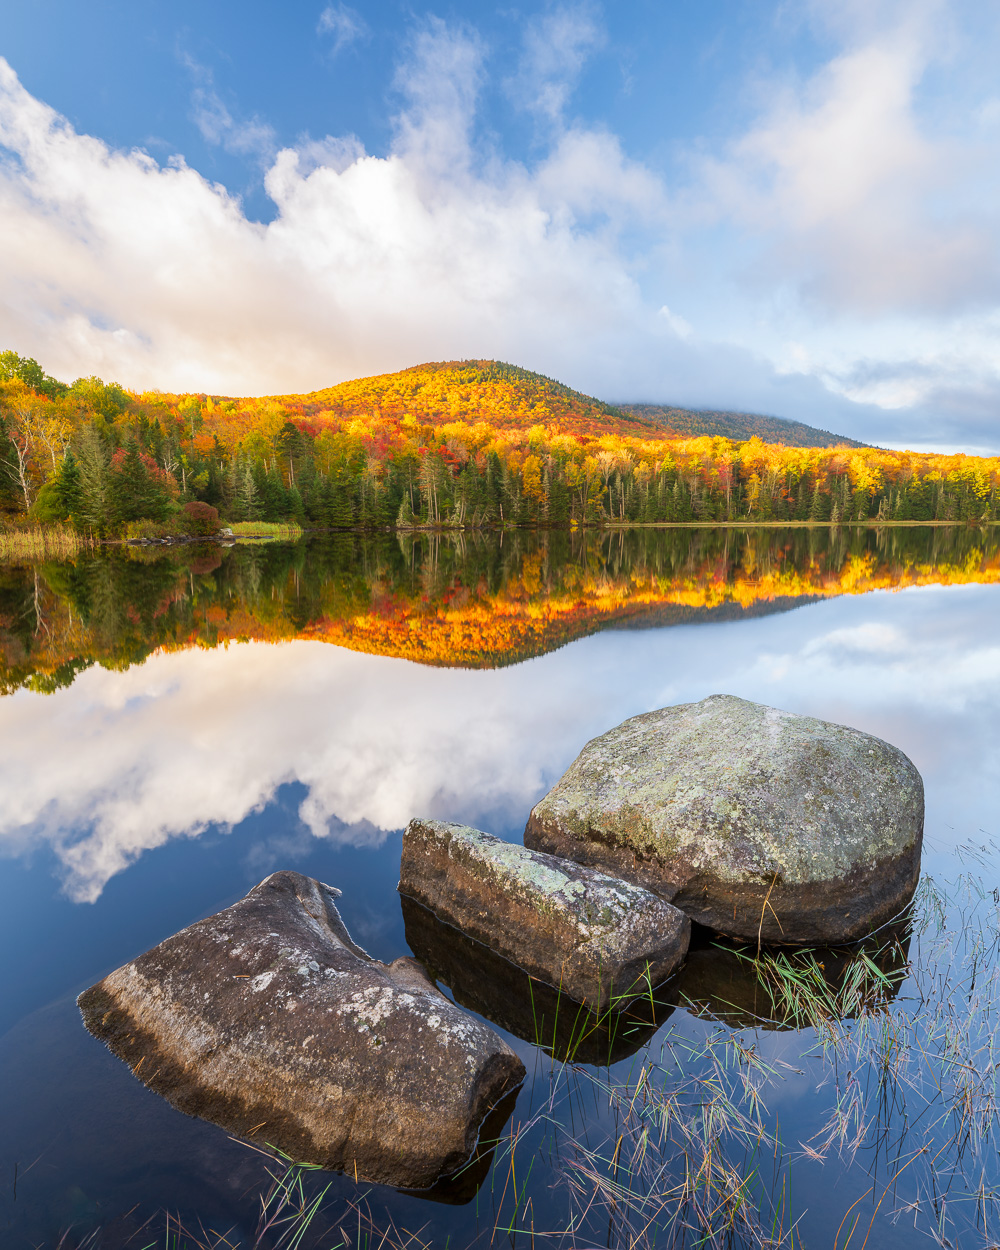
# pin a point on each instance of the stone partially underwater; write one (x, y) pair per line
(269, 1021)
(597, 939)
(759, 824)
(486, 983)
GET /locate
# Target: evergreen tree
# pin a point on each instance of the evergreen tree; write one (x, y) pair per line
(135, 492)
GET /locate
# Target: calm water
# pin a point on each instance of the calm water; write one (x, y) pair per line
(150, 775)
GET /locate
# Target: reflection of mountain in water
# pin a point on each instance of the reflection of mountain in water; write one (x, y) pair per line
(474, 601)
(677, 614)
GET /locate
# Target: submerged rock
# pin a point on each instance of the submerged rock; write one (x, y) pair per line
(268, 1020)
(759, 824)
(532, 1010)
(599, 940)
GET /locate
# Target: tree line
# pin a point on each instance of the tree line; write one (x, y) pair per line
(473, 444)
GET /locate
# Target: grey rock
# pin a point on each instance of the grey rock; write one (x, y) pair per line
(268, 1020)
(600, 940)
(763, 825)
(491, 986)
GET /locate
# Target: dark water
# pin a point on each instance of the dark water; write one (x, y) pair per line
(155, 767)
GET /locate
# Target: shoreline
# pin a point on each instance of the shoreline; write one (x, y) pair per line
(60, 543)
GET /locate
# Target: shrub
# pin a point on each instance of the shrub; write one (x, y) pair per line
(202, 517)
(146, 528)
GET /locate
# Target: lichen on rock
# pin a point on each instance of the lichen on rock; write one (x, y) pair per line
(599, 939)
(268, 1020)
(758, 823)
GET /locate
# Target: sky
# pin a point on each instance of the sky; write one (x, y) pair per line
(769, 206)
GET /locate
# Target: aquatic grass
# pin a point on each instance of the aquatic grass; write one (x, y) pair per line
(894, 1048)
(41, 542)
(689, 1154)
(625, 1011)
(276, 531)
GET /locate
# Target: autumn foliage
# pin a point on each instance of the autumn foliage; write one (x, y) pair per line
(446, 600)
(458, 444)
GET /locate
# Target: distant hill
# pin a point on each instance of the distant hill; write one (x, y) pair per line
(686, 423)
(503, 395)
(509, 397)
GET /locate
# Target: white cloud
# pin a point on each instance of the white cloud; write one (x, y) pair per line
(155, 276)
(343, 23)
(855, 197)
(247, 137)
(872, 199)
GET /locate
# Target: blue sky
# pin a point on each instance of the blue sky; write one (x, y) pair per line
(785, 207)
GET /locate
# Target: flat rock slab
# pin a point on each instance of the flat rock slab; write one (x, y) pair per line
(484, 982)
(600, 940)
(268, 1020)
(763, 825)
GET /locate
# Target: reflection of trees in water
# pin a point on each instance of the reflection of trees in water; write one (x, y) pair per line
(539, 589)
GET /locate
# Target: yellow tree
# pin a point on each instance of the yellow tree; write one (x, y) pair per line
(26, 416)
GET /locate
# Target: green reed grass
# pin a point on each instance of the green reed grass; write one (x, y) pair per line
(277, 531)
(907, 1058)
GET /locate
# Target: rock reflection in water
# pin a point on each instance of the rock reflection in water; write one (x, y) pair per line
(489, 985)
(783, 990)
(462, 1186)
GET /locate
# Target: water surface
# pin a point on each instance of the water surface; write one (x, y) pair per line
(177, 727)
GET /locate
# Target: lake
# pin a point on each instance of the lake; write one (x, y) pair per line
(178, 723)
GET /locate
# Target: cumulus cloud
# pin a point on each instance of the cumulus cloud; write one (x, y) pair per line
(151, 274)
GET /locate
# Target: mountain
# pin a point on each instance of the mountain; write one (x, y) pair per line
(508, 397)
(505, 396)
(739, 426)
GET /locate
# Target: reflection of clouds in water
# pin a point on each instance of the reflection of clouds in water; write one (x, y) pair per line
(121, 762)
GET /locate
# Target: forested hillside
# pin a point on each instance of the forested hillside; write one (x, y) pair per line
(503, 396)
(474, 443)
(690, 423)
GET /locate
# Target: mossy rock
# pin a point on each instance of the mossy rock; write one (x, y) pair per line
(760, 824)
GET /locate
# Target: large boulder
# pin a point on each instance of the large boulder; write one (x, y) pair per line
(268, 1020)
(599, 940)
(763, 825)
